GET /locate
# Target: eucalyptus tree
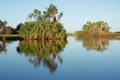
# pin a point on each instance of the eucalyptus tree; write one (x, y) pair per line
(52, 11)
(35, 15)
(51, 14)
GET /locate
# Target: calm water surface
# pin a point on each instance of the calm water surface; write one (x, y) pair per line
(74, 59)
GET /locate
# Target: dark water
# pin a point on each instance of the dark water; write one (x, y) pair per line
(74, 59)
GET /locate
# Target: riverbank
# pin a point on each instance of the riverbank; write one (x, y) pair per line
(17, 37)
(10, 37)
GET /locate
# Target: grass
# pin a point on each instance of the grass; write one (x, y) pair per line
(70, 34)
(10, 37)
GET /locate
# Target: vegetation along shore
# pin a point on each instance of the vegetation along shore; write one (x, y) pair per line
(46, 25)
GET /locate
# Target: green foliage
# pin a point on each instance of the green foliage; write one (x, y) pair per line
(78, 33)
(70, 34)
(42, 30)
(95, 27)
(5, 29)
(43, 26)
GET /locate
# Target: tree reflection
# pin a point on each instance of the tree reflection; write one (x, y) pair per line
(98, 43)
(2, 46)
(45, 52)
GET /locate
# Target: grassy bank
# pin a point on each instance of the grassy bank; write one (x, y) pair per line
(70, 34)
(10, 37)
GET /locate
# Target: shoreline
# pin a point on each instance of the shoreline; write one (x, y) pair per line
(17, 37)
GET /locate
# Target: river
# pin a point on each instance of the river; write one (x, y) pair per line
(73, 59)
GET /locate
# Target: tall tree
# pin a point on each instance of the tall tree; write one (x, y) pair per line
(43, 26)
(35, 15)
(52, 11)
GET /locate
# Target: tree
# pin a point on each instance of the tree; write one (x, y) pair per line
(59, 16)
(8, 30)
(4, 29)
(96, 27)
(2, 26)
(16, 31)
(43, 26)
(35, 15)
(52, 11)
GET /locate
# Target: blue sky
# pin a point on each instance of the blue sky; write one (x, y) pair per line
(76, 12)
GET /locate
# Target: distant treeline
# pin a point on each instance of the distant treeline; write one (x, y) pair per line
(46, 25)
(4, 29)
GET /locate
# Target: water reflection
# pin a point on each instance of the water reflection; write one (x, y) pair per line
(2, 46)
(45, 52)
(98, 43)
